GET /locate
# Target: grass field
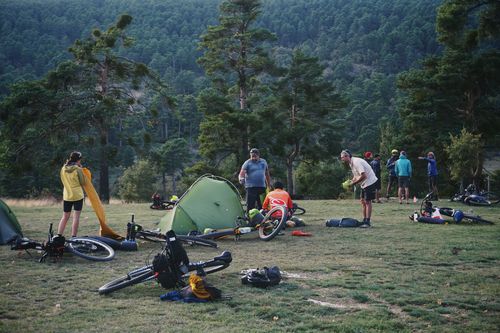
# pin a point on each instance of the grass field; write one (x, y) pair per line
(395, 277)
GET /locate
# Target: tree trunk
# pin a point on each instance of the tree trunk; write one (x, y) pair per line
(289, 178)
(104, 167)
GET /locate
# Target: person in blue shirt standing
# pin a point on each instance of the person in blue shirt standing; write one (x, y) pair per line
(403, 170)
(431, 173)
(255, 176)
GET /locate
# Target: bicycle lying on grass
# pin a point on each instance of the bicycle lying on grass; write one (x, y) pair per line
(55, 247)
(434, 215)
(170, 268)
(135, 230)
(268, 226)
(159, 203)
(472, 197)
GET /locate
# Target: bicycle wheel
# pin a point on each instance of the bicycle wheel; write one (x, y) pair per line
(194, 240)
(139, 275)
(299, 211)
(271, 226)
(477, 219)
(90, 249)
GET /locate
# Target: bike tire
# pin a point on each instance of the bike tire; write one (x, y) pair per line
(271, 226)
(299, 211)
(477, 219)
(90, 249)
(194, 240)
(208, 268)
(139, 275)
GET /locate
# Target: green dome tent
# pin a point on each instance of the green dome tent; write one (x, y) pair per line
(211, 202)
(9, 226)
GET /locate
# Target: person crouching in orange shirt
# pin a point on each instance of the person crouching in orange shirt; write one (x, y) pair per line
(278, 197)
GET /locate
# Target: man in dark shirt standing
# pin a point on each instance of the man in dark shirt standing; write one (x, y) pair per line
(391, 169)
(375, 164)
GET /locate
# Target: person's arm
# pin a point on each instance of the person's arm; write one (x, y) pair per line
(268, 178)
(242, 174)
(265, 204)
(359, 179)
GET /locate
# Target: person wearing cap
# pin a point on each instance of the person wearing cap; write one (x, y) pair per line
(254, 175)
(73, 179)
(364, 176)
(391, 165)
(375, 164)
(403, 171)
(431, 172)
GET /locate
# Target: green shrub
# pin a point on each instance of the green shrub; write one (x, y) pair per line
(137, 182)
(320, 180)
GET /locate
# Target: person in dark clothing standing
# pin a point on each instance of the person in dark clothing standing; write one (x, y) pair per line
(431, 173)
(391, 169)
(375, 164)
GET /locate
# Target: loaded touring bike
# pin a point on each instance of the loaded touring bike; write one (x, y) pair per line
(171, 267)
(434, 215)
(55, 246)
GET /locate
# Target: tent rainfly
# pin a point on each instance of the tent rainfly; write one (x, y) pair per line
(211, 202)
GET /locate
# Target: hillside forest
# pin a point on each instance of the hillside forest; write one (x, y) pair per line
(155, 93)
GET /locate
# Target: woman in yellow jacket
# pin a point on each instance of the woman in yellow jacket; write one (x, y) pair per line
(73, 179)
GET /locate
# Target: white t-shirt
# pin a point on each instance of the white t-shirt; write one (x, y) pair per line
(358, 166)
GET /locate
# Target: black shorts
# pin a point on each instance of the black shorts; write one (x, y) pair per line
(404, 181)
(378, 184)
(393, 180)
(368, 193)
(77, 205)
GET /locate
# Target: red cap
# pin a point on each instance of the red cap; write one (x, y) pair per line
(368, 154)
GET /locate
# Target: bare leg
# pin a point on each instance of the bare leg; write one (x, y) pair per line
(400, 194)
(76, 222)
(363, 208)
(407, 193)
(62, 223)
(368, 209)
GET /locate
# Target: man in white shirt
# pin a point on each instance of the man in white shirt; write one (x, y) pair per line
(364, 176)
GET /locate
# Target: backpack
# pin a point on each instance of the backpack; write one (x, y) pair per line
(55, 247)
(262, 278)
(170, 264)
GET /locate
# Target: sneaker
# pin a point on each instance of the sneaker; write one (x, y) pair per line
(365, 225)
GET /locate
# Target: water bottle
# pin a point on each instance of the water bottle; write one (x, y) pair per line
(245, 230)
(415, 216)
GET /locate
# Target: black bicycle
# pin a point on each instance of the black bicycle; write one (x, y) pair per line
(432, 214)
(135, 230)
(55, 247)
(171, 267)
(160, 204)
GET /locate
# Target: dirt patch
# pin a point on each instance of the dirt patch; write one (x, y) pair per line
(343, 305)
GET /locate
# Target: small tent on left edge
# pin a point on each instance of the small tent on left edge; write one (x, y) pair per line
(9, 226)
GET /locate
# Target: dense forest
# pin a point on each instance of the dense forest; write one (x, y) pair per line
(374, 59)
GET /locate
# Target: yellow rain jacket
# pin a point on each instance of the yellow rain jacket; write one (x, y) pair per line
(73, 179)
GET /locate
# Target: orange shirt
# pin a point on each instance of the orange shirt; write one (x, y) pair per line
(276, 198)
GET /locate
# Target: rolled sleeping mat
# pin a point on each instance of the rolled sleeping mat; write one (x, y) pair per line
(430, 220)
